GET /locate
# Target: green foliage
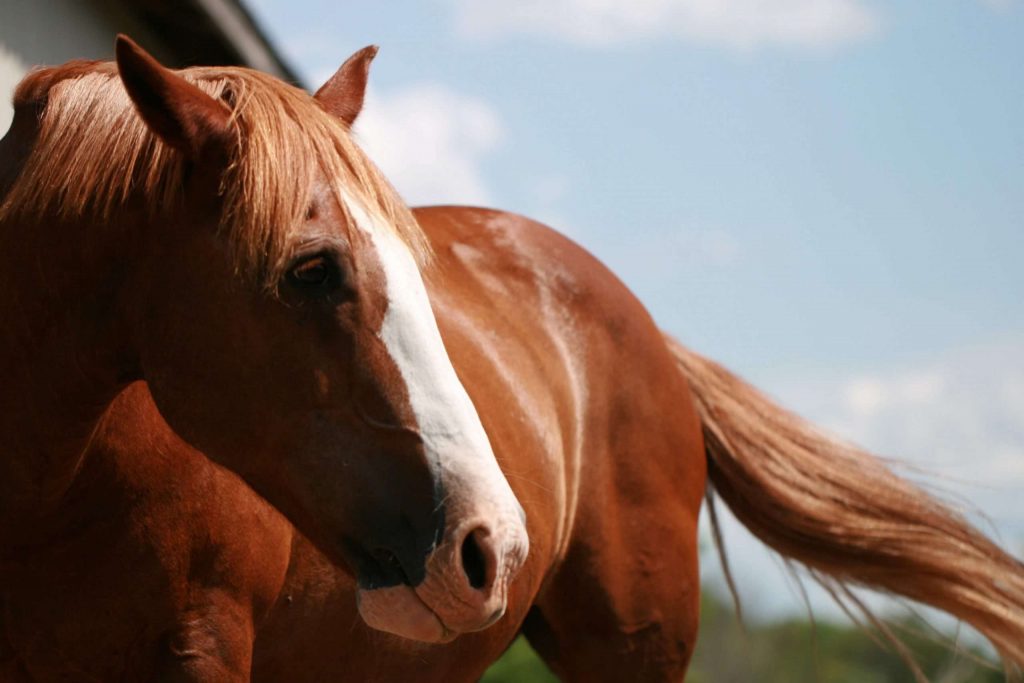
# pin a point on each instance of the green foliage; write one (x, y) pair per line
(795, 651)
(519, 665)
(791, 651)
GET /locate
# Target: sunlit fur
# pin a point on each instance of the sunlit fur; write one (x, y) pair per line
(94, 155)
(845, 515)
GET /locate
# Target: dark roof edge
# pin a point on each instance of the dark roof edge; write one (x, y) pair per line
(242, 33)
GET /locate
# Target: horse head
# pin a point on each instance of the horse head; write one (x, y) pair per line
(269, 291)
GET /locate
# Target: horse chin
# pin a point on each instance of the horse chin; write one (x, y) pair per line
(398, 610)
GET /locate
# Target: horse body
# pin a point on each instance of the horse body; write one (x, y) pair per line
(569, 375)
(417, 446)
(217, 234)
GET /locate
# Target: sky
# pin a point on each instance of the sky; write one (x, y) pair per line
(825, 195)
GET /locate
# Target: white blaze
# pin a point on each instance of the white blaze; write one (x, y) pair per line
(449, 425)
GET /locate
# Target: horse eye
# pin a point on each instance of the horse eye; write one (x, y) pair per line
(318, 271)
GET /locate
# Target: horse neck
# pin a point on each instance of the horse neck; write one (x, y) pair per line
(61, 354)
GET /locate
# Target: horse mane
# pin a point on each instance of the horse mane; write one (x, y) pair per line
(93, 154)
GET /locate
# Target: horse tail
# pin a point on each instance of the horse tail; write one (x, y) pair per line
(845, 515)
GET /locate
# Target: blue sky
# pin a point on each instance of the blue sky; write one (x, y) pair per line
(825, 195)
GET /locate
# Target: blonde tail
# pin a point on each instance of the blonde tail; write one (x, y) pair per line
(845, 515)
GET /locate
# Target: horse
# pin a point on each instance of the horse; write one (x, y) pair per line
(607, 431)
(217, 234)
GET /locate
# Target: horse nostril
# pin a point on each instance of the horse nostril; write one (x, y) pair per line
(474, 562)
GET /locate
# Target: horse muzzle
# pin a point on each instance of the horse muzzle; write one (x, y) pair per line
(465, 588)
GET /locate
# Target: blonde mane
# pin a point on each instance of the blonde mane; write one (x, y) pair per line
(94, 154)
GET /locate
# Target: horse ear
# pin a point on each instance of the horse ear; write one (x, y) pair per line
(342, 95)
(181, 114)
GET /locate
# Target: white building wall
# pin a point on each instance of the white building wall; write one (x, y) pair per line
(11, 71)
(36, 32)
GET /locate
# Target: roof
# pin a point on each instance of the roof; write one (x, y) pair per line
(210, 32)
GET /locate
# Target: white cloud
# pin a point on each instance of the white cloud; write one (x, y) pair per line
(429, 139)
(736, 24)
(1001, 5)
(959, 417)
(431, 142)
(867, 397)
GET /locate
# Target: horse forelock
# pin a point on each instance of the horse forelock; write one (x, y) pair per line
(93, 154)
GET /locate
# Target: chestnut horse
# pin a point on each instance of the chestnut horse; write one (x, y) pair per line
(218, 235)
(153, 563)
